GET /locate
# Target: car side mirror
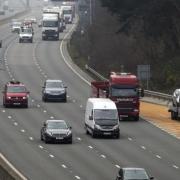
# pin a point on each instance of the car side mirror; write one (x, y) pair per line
(90, 118)
(44, 124)
(70, 127)
(151, 178)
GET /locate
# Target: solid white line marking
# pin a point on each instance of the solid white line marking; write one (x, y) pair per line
(12, 167)
(117, 166)
(64, 166)
(77, 177)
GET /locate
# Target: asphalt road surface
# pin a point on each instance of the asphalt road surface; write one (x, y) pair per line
(141, 144)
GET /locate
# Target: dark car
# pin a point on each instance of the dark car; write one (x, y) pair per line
(54, 90)
(15, 94)
(56, 131)
(131, 173)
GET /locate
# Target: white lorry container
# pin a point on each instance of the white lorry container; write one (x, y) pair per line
(101, 118)
(50, 25)
(67, 11)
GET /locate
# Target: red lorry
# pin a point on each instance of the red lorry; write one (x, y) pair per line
(124, 90)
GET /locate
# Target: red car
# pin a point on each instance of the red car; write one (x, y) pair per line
(15, 94)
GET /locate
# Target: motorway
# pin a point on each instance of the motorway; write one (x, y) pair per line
(141, 143)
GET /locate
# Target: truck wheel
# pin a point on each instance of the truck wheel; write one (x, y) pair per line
(174, 115)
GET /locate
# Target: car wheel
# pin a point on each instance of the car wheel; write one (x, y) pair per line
(44, 99)
(87, 132)
(117, 136)
(70, 141)
(93, 134)
(41, 137)
(46, 140)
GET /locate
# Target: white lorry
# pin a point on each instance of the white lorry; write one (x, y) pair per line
(67, 11)
(50, 25)
(101, 118)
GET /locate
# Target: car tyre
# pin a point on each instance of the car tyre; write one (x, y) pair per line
(93, 134)
(41, 137)
(46, 140)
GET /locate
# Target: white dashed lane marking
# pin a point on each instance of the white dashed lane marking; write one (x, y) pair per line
(77, 177)
(176, 167)
(90, 147)
(64, 166)
(117, 166)
(159, 157)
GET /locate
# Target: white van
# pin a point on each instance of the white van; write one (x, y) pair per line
(101, 118)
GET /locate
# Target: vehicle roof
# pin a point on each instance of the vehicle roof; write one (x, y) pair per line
(102, 103)
(11, 83)
(55, 120)
(123, 78)
(53, 80)
(132, 168)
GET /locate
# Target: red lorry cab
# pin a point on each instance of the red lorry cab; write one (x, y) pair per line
(124, 90)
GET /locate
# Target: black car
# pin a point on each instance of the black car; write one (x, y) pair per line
(131, 173)
(56, 131)
(54, 90)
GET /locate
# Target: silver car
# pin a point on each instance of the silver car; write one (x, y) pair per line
(56, 131)
(54, 90)
(133, 173)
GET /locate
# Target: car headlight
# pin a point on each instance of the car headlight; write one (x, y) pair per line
(116, 127)
(62, 91)
(24, 97)
(96, 126)
(9, 97)
(47, 92)
(49, 133)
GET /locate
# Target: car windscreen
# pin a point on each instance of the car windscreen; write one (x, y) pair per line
(54, 85)
(135, 174)
(26, 31)
(16, 89)
(57, 125)
(105, 114)
(67, 11)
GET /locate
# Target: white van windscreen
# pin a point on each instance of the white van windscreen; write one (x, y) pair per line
(105, 114)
